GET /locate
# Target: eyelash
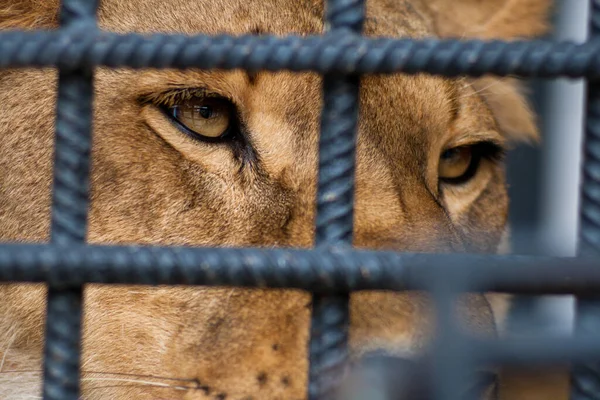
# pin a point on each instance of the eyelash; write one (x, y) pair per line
(171, 97)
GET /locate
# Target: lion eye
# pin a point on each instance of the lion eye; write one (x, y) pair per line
(455, 163)
(208, 118)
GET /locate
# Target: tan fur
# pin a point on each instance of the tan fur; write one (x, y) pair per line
(153, 185)
(28, 14)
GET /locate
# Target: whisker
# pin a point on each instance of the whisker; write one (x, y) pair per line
(180, 384)
(139, 382)
(164, 378)
(127, 386)
(476, 92)
(9, 343)
(21, 371)
(499, 14)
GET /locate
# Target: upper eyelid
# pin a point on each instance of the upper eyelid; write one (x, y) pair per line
(472, 139)
(485, 142)
(170, 97)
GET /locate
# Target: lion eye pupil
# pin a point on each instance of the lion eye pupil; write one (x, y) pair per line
(205, 111)
(449, 154)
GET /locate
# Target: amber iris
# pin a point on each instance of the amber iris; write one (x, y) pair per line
(205, 117)
(454, 163)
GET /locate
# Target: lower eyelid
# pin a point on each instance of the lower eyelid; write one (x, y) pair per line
(215, 158)
(170, 130)
(469, 175)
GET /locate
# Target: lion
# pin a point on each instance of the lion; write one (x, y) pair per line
(229, 158)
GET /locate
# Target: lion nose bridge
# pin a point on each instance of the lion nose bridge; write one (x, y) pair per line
(402, 217)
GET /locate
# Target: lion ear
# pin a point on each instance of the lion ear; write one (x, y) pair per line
(28, 14)
(514, 117)
(486, 19)
(494, 19)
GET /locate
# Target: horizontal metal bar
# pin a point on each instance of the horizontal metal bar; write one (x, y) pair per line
(395, 375)
(533, 351)
(334, 53)
(540, 351)
(323, 271)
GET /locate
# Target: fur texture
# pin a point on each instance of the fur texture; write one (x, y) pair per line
(152, 184)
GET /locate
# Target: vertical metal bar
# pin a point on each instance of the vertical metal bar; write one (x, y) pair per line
(446, 354)
(335, 203)
(69, 210)
(585, 377)
(452, 362)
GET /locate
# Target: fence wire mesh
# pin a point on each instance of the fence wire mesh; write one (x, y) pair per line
(333, 269)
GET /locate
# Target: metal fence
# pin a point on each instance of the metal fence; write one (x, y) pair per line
(333, 269)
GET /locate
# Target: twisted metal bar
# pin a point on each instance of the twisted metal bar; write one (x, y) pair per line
(69, 209)
(341, 52)
(326, 271)
(451, 359)
(71, 163)
(76, 51)
(585, 377)
(328, 349)
(335, 198)
(590, 190)
(330, 318)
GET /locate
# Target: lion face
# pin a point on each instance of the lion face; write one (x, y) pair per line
(429, 166)
(228, 158)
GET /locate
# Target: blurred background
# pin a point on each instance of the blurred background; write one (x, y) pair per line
(544, 181)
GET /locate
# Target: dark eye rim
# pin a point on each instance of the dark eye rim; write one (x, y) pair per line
(480, 151)
(231, 133)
